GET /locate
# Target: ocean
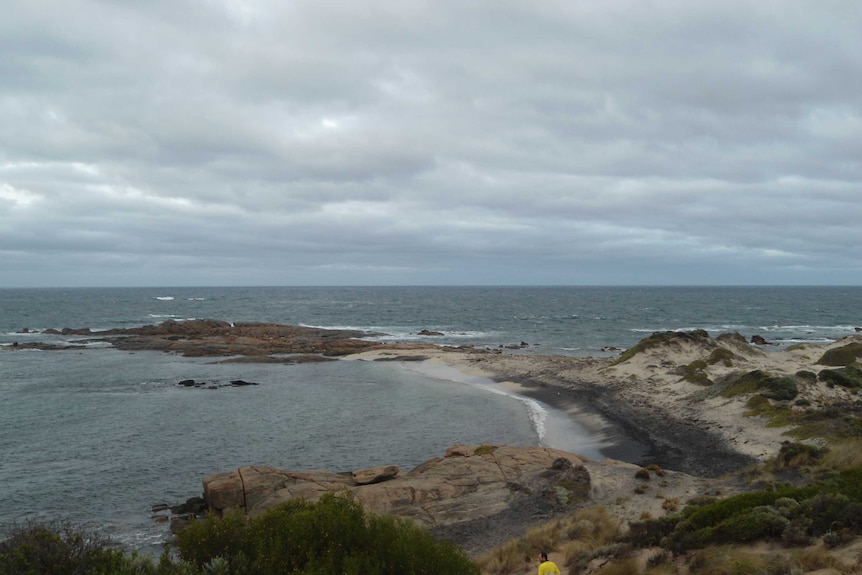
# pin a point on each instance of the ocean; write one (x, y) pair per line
(97, 436)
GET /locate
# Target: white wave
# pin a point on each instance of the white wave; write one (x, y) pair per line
(161, 315)
(710, 328)
(164, 297)
(810, 328)
(404, 333)
(196, 298)
(553, 427)
(536, 411)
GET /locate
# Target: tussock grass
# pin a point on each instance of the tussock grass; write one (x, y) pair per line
(574, 536)
(844, 454)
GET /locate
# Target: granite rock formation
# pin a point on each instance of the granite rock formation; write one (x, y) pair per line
(469, 483)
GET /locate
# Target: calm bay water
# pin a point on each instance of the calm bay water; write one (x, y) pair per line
(98, 436)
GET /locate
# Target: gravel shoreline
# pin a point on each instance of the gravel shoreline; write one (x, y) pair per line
(640, 434)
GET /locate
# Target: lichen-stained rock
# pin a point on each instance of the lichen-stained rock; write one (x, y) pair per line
(470, 482)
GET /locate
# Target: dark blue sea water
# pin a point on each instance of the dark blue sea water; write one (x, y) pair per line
(98, 436)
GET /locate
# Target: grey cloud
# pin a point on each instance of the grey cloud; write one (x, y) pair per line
(414, 142)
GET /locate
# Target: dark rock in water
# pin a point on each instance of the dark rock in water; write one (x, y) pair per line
(521, 345)
(759, 340)
(858, 329)
(403, 358)
(187, 383)
(240, 383)
(179, 523)
(429, 332)
(196, 504)
(191, 505)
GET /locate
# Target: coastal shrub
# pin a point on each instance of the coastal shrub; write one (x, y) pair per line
(694, 373)
(849, 377)
(733, 519)
(332, 535)
(663, 338)
(839, 420)
(721, 355)
(58, 549)
(844, 454)
(780, 388)
(762, 522)
(841, 356)
(794, 454)
(204, 540)
(791, 514)
(723, 560)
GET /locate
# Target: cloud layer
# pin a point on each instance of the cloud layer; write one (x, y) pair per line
(490, 142)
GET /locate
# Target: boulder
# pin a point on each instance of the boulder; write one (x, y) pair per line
(468, 483)
(375, 474)
(759, 340)
(429, 332)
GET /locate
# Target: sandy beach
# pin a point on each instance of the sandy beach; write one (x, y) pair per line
(642, 409)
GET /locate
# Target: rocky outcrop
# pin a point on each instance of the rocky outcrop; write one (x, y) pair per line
(469, 483)
(268, 342)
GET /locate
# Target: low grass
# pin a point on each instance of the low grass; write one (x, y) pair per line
(844, 454)
(721, 355)
(582, 532)
(782, 388)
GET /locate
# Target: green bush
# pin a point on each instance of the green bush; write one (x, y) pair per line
(333, 535)
(663, 338)
(773, 387)
(721, 354)
(793, 454)
(849, 377)
(793, 514)
(57, 550)
(841, 356)
(762, 522)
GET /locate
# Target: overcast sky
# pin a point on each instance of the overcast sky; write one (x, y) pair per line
(207, 142)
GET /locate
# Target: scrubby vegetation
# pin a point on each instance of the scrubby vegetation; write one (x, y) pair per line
(53, 549)
(664, 338)
(792, 515)
(782, 388)
(842, 356)
(333, 535)
(713, 535)
(849, 377)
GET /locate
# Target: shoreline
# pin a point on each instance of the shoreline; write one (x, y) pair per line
(628, 433)
(644, 407)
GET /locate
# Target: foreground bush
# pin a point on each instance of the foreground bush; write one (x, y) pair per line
(57, 550)
(333, 535)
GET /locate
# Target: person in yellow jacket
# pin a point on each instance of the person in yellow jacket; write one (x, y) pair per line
(547, 567)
